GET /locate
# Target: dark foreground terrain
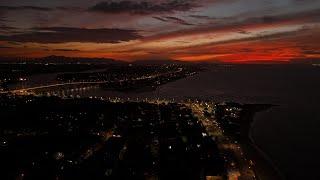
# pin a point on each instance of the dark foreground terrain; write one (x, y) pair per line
(53, 138)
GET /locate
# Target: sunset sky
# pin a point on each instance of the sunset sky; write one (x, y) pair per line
(190, 30)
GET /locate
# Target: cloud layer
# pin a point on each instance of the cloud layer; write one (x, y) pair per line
(142, 7)
(226, 30)
(67, 34)
(36, 8)
(172, 19)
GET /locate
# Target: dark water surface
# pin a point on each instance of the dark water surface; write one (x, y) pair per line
(289, 134)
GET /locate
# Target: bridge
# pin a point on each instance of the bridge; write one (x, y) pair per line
(57, 89)
(73, 86)
(57, 85)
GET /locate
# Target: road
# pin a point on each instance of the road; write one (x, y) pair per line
(237, 164)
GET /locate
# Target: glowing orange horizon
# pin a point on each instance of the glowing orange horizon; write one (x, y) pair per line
(224, 47)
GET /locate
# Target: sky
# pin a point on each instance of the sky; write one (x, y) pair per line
(235, 31)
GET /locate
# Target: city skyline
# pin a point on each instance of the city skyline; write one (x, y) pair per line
(233, 31)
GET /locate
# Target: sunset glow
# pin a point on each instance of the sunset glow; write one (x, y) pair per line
(202, 30)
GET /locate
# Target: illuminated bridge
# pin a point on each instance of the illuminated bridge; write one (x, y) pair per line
(59, 89)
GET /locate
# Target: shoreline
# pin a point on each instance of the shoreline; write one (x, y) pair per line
(263, 164)
(265, 158)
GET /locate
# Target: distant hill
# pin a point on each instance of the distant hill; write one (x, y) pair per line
(62, 60)
(82, 60)
(158, 62)
(79, 60)
(305, 61)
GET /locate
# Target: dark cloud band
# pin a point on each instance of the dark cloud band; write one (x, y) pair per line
(36, 8)
(67, 34)
(173, 20)
(142, 7)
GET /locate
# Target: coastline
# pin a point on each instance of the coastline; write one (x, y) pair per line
(263, 165)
